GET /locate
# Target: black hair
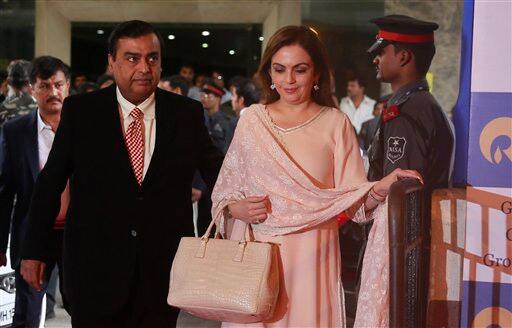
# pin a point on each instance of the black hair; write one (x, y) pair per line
(104, 78)
(87, 86)
(178, 81)
(131, 29)
(423, 54)
(246, 88)
(360, 80)
(45, 67)
(187, 65)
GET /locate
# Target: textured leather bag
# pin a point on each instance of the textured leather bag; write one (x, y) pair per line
(225, 280)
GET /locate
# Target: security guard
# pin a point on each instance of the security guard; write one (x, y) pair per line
(414, 132)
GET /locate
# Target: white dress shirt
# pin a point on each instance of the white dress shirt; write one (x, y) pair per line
(45, 136)
(148, 108)
(358, 115)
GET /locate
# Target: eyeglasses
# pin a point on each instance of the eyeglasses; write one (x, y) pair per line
(207, 95)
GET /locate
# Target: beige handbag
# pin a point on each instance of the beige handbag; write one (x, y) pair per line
(225, 280)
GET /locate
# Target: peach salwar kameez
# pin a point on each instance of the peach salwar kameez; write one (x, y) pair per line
(311, 173)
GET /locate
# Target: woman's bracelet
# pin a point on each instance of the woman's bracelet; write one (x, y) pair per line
(376, 193)
(375, 199)
(371, 194)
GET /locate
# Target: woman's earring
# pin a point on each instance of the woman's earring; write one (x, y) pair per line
(316, 87)
(273, 86)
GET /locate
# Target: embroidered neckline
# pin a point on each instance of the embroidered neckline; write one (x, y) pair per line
(293, 128)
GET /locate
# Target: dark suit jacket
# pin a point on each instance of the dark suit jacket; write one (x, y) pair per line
(118, 234)
(368, 130)
(19, 167)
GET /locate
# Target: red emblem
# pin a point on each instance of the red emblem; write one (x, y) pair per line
(390, 113)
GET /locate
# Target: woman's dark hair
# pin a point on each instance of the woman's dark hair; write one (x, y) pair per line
(131, 29)
(309, 41)
(45, 67)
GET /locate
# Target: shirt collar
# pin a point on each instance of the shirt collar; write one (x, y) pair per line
(41, 125)
(402, 93)
(147, 106)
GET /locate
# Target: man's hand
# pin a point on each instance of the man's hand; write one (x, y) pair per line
(3, 259)
(33, 273)
(196, 195)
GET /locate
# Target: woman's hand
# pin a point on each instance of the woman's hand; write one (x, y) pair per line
(382, 187)
(251, 210)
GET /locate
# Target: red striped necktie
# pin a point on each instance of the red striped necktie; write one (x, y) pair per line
(135, 143)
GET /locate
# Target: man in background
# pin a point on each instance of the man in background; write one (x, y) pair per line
(19, 101)
(24, 148)
(187, 72)
(245, 93)
(175, 84)
(357, 105)
(369, 128)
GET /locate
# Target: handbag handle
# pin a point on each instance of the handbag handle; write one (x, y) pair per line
(215, 220)
(241, 244)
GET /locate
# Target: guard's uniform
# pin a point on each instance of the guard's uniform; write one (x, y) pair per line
(414, 134)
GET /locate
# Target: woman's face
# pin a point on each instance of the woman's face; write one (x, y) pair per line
(293, 73)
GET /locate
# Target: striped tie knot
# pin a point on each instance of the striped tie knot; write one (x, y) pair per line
(137, 114)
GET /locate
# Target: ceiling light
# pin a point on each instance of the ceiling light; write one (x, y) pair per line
(205, 45)
(261, 38)
(205, 33)
(231, 52)
(171, 37)
(100, 32)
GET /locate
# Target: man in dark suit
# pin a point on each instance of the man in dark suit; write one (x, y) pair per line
(130, 151)
(24, 147)
(369, 128)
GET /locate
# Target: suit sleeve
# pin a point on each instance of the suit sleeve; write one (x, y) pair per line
(7, 190)
(208, 157)
(50, 184)
(405, 142)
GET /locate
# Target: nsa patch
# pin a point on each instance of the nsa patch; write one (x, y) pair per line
(395, 148)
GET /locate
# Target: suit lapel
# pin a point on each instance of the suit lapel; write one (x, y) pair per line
(165, 131)
(31, 144)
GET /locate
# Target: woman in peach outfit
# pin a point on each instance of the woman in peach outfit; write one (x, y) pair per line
(294, 165)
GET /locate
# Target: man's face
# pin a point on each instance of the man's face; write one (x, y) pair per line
(200, 81)
(209, 100)
(137, 67)
(354, 89)
(79, 80)
(236, 102)
(387, 63)
(187, 73)
(377, 111)
(50, 93)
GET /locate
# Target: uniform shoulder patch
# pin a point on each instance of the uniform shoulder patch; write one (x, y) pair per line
(390, 113)
(395, 149)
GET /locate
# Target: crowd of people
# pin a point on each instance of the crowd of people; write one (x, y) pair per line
(285, 140)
